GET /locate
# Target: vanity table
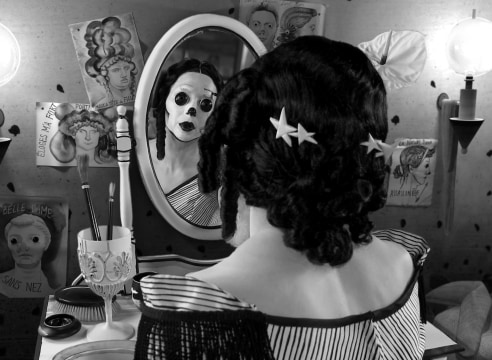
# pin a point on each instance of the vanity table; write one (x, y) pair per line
(47, 348)
(438, 345)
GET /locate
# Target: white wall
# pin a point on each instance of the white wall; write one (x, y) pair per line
(48, 59)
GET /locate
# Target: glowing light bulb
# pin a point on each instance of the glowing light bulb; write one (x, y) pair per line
(9, 55)
(468, 50)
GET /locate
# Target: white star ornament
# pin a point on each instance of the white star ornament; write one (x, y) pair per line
(302, 135)
(283, 129)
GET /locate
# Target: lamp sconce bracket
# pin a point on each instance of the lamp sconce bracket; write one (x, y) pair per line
(465, 130)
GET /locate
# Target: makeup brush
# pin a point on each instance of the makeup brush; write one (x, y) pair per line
(82, 166)
(112, 186)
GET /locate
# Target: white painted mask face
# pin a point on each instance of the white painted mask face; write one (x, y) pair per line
(189, 104)
(27, 245)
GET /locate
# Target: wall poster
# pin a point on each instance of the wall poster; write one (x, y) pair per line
(65, 130)
(276, 22)
(411, 179)
(33, 245)
(110, 59)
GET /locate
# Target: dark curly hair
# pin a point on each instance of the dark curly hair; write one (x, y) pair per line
(319, 194)
(164, 87)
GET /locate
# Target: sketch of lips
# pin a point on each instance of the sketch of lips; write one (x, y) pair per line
(187, 126)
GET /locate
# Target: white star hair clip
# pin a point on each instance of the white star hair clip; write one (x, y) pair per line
(382, 149)
(285, 131)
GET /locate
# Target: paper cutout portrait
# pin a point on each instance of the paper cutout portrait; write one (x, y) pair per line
(110, 58)
(66, 130)
(33, 246)
(398, 56)
(277, 22)
(413, 166)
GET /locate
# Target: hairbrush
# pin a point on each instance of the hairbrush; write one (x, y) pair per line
(82, 303)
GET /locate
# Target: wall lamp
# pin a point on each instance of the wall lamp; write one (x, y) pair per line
(469, 54)
(9, 64)
(10, 55)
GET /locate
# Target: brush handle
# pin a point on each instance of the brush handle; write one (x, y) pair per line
(92, 215)
(110, 218)
(78, 280)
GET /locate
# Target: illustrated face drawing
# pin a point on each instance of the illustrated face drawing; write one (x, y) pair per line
(309, 28)
(422, 170)
(189, 104)
(415, 162)
(264, 25)
(111, 62)
(87, 138)
(27, 239)
(119, 74)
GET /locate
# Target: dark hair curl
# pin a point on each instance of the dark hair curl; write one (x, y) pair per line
(319, 194)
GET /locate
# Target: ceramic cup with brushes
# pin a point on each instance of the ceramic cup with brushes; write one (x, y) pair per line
(106, 265)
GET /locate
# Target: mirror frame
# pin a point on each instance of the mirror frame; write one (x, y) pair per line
(152, 67)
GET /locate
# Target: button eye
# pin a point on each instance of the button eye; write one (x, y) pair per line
(181, 98)
(206, 105)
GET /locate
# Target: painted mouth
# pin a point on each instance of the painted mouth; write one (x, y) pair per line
(187, 126)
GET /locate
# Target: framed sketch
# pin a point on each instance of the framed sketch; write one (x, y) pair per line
(411, 180)
(65, 130)
(276, 22)
(110, 59)
(33, 245)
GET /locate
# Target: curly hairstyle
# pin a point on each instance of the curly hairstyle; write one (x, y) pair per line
(164, 85)
(62, 144)
(292, 20)
(410, 159)
(107, 43)
(320, 195)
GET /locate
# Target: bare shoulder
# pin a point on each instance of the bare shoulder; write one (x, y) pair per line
(385, 255)
(387, 268)
(375, 277)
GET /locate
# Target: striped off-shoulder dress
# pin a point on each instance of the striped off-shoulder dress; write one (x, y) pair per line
(195, 207)
(186, 318)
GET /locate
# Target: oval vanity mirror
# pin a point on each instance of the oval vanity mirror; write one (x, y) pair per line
(229, 46)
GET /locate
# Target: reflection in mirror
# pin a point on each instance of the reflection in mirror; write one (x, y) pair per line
(185, 98)
(228, 46)
(181, 100)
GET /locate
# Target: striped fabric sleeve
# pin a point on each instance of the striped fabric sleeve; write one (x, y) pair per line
(181, 293)
(414, 244)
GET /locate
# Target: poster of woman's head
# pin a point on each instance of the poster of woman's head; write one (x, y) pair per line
(66, 130)
(276, 22)
(33, 246)
(110, 59)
